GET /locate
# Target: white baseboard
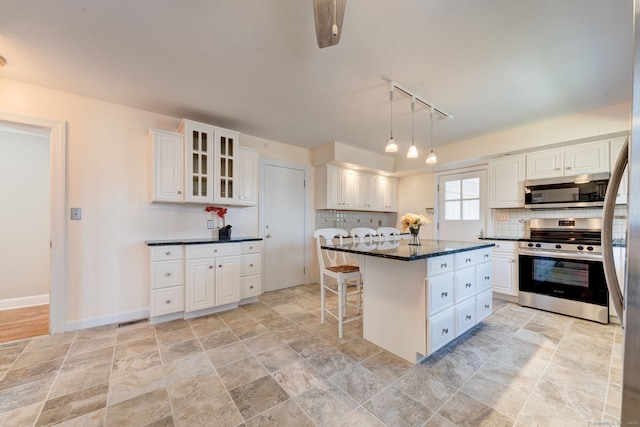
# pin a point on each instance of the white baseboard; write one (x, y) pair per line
(110, 319)
(8, 304)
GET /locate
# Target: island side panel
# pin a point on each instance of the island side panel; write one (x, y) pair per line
(395, 306)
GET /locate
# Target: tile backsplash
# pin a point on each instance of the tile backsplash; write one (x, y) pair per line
(511, 222)
(351, 219)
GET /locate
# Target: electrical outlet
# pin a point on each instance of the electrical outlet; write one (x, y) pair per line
(503, 217)
(211, 224)
(76, 214)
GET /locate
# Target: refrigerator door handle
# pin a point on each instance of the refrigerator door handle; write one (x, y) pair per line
(607, 232)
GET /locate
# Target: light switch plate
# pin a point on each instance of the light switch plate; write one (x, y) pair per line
(503, 217)
(76, 214)
(210, 224)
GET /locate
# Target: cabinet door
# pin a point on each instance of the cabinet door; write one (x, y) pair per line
(586, 158)
(198, 161)
(200, 284)
(386, 194)
(227, 145)
(366, 191)
(227, 280)
(168, 166)
(348, 188)
(334, 183)
(248, 179)
(506, 178)
(544, 164)
(504, 273)
(615, 149)
(251, 286)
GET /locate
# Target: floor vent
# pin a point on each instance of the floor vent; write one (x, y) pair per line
(133, 322)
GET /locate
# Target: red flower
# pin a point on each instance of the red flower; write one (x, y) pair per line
(220, 212)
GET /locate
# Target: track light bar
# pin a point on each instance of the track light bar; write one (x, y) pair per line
(421, 100)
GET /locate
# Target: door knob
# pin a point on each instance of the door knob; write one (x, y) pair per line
(268, 236)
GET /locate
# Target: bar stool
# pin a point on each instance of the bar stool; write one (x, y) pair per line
(389, 233)
(363, 235)
(333, 265)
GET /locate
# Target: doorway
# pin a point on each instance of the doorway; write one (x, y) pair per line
(284, 202)
(462, 204)
(56, 245)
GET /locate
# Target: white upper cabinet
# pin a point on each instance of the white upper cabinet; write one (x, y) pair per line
(346, 189)
(386, 194)
(616, 148)
(198, 160)
(578, 159)
(168, 166)
(227, 144)
(506, 182)
(203, 164)
(366, 194)
(337, 188)
(248, 177)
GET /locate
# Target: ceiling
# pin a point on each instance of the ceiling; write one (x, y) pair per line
(254, 66)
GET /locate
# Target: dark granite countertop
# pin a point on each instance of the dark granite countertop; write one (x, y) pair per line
(202, 241)
(511, 239)
(402, 251)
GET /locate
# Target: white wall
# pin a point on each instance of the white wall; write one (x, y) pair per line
(24, 216)
(109, 172)
(416, 194)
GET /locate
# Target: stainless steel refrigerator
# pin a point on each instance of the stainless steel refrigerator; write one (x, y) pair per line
(627, 301)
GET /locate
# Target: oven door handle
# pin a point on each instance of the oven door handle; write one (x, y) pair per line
(563, 255)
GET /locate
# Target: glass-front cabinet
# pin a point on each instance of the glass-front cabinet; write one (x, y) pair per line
(199, 156)
(226, 159)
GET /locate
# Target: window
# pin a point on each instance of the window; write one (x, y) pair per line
(462, 199)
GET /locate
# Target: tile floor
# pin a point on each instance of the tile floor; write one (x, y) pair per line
(272, 363)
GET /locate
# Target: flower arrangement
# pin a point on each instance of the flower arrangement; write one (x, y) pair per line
(413, 221)
(220, 213)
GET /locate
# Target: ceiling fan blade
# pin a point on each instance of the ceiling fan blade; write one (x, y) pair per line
(328, 13)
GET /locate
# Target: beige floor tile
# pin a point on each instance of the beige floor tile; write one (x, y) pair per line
(258, 396)
(466, 411)
(218, 339)
(393, 408)
(262, 342)
(80, 378)
(87, 360)
(241, 372)
(191, 366)
(325, 403)
(132, 364)
(125, 388)
(25, 395)
(278, 357)
(359, 383)
(224, 355)
(219, 410)
(286, 414)
(297, 377)
(425, 389)
(73, 405)
(505, 398)
(141, 410)
(201, 387)
(22, 415)
(180, 350)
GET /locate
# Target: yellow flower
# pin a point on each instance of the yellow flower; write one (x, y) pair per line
(411, 220)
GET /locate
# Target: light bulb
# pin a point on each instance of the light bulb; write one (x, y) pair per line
(391, 147)
(431, 158)
(413, 152)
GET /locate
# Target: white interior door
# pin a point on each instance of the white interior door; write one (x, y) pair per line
(284, 226)
(462, 204)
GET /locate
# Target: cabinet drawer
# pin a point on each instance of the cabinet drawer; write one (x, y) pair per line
(166, 273)
(441, 293)
(465, 280)
(251, 247)
(212, 251)
(504, 246)
(483, 255)
(465, 259)
(441, 329)
(250, 264)
(483, 276)
(167, 300)
(440, 264)
(484, 304)
(250, 286)
(166, 253)
(465, 316)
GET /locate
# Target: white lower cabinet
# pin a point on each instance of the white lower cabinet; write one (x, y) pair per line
(167, 281)
(505, 268)
(458, 290)
(187, 279)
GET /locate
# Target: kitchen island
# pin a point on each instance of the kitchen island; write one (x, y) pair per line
(419, 298)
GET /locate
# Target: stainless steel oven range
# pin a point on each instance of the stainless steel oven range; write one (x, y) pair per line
(560, 268)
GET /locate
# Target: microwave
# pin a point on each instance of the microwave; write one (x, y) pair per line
(578, 191)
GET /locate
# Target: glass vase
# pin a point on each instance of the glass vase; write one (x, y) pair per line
(415, 238)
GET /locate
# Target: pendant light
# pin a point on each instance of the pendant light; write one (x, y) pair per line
(431, 158)
(413, 151)
(391, 147)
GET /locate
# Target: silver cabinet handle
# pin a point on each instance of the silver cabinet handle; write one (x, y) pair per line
(179, 192)
(468, 317)
(168, 301)
(467, 260)
(251, 287)
(467, 285)
(250, 265)
(487, 306)
(487, 277)
(443, 265)
(444, 295)
(445, 331)
(211, 266)
(168, 253)
(167, 274)
(268, 236)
